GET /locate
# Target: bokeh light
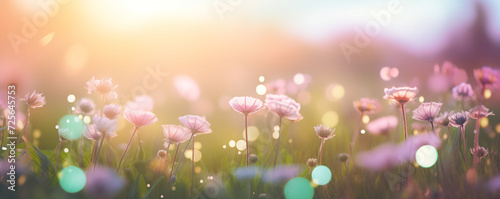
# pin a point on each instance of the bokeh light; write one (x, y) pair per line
(262, 79)
(197, 145)
(241, 145)
(197, 155)
(299, 78)
(72, 179)
(299, 188)
(497, 128)
(253, 133)
(484, 122)
(321, 175)
(261, 89)
(330, 118)
(71, 127)
(276, 134)
(421, 99)
(365, 119)
(86, 119)
(334, 92)
(487, 93)
(232, 143)
(426, 156)
(187, 87)
(71, 98)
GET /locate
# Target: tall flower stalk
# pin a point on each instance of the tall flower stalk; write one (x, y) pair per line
(33, 100)
(459, 120)
(364, 106)
(324, 133)
(139, 119)
(401, 95)
(197, 126)
(283, 107)
(427, 112)
(246, 105)
(175, 134)
(478, 113)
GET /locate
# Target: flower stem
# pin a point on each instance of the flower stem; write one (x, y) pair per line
(183, 152)
(355, 137)
(432, 126)
(173, 161)
(246, 134)
(58, 152)
(320, 154)
(476, 141)
(192, 167)
(98, 151)
(278, 147)
(404, 119)
(462, 128)
(126, 149)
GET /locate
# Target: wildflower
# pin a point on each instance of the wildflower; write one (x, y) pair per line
(324, 133)
(367, 106)
(312, 162)
(479, 112)
(283, 106)
(139, 118)
(459, 120)
(104, 125)
(402, 95)
(382, 126)
(463, 91)
(34, 100)
(112, 111)
(443, 119)
(343, 157)
(479, 152)
(487, 77)
(246, 105)
(253, 158)
(162, 153)
(175, 133)
(196, 124)
(427, 112)
(85, 106)
(104, 86)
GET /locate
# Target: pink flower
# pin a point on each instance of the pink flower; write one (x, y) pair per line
(487, 77)
(479, 112)
(324, 132)
(479, 152)
(197, 124)
(458, 119)
(85, 106)
(283, 106)
(34, 100)
(382, 126)
(91, 133)
(400, 94)
(112, 111)
(175, 133)
(446, 76)
(367, 106)
(427, 111)
(103, 86)
(442, 119)
(389, 155)
(139, 118)
(143, 102)
(463, 91)
(101, 126)
(245, 105)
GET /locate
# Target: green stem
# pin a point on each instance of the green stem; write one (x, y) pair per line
(278, 143)
(126, 149)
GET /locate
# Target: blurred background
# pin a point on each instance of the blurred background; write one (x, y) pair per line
(192, 56)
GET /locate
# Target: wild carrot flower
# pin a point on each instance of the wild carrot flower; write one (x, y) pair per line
(282, 106)
(459, 120)
(112, 111)
(85, 106)
(104, 86)
(402, 95)
(324, 133)
(487, 77)
(463, 91)
(382, 126)
(197, 125)
(34, 100)
(364, 106)
(246, 105)
(139, 119)
(367, 106)
(426, 112)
